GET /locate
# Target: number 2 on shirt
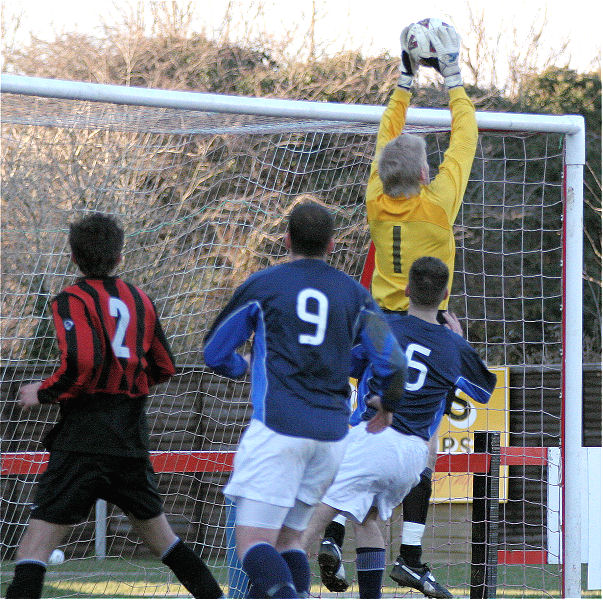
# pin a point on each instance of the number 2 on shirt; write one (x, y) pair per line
(318, 318)
(119, 309)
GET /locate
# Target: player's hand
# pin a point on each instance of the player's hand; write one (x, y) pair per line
(382, 418)
(408, 67)
(28, 395)
(447, 43)
(453, 323)
(247, 359)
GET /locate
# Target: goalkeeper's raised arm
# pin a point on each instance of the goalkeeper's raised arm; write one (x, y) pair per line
(408, 215)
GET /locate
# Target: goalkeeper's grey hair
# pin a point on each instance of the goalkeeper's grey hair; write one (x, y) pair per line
(400, 165)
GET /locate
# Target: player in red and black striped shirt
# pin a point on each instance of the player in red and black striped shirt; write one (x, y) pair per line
(113, 350)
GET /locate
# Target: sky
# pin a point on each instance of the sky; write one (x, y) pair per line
(372, 26)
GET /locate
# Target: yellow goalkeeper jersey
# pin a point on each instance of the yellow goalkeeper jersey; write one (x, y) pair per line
(404, 229)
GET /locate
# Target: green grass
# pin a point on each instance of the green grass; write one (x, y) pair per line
(110, 578)
(121, 578)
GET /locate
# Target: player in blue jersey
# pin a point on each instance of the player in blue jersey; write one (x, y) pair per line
(378, 471)
(306, 317)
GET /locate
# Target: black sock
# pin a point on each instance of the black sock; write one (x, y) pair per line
(370, 564)
(411, 555)
(27, 581)
(191, 571)
(336, 531)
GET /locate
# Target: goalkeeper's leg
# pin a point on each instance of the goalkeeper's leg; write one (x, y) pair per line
(189, 568)
(40, 539)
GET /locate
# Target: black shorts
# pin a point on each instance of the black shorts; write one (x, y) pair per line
(73, 482)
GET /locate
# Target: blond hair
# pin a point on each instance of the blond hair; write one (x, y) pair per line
(401, 163)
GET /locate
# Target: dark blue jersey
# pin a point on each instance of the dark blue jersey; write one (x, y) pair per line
(438, 360)
(306, 317)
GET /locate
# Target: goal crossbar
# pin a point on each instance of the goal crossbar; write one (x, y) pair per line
(275, 107)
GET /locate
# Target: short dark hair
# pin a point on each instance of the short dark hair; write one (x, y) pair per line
(96, 242)
(310, 229)
(427, 281)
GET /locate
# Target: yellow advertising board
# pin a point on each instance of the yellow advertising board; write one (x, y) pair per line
(456, 437)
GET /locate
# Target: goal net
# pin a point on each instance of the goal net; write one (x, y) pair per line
(204, 196)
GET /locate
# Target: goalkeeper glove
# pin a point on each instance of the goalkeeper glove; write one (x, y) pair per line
(408, 66)
(446, 42)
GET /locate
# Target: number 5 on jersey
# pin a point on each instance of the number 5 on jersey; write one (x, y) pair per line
(415, 364)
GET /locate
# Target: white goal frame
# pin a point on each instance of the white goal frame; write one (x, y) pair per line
(571, 126)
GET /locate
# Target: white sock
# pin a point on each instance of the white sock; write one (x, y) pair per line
(412, 533)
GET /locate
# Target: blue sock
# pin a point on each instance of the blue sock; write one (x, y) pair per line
(268, 572)
(297, 560)
(370, 564)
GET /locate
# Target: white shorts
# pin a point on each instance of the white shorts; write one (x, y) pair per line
(376, 470)
(279, 469)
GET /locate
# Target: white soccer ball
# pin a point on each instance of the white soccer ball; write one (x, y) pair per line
(56, 557)
(419, 44)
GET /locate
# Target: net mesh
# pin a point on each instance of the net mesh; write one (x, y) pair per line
(204, 198)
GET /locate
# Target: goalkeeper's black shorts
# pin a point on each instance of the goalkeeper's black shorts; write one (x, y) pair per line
(73, 482)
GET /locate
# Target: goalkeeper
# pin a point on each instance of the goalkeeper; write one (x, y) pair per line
(409, 217)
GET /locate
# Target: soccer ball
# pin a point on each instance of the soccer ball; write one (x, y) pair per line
(418, 43)
(56, 557)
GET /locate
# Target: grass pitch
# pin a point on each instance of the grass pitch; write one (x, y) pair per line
(145, 578)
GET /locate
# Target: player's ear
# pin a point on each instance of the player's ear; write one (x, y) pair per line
(288, 241)
(407, 291)
(446, 294)
(330, 246)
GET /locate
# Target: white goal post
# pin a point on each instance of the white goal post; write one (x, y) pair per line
(570, 126)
